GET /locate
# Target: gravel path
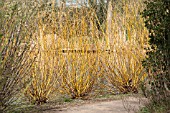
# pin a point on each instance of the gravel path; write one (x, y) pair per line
(128, 105)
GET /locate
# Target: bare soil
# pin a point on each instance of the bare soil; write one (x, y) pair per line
(124, 105)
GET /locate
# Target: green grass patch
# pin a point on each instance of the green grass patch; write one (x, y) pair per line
(154, 108)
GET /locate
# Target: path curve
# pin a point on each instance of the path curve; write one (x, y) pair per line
(130, 105)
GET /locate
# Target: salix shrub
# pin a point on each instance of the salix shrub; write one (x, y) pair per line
(16, 31)
(124, 70)
(128, 41)
(78, 74)
(71, 50)
(79, 46)
(57, 30)
(42, 73)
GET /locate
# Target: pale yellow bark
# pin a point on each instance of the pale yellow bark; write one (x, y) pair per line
(109, 24)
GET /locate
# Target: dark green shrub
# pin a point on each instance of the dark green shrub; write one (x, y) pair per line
(157, 21)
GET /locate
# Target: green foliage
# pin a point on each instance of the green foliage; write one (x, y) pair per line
(154, 108)
(157, 21)
(68, 100)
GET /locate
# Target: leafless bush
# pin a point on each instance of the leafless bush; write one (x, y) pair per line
(18, 23)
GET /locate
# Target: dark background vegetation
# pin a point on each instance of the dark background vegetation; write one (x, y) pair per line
(157, 20)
